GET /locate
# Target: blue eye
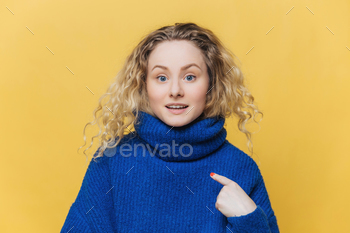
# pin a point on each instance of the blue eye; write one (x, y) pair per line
(192, 76)
(161, 76)
(164, 78)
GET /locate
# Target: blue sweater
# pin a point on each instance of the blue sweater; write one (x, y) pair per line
(158, 180)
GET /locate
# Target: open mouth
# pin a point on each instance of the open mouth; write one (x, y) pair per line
(180, 107)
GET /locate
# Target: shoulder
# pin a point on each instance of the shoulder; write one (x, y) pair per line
(239, 159)
(109, 155)
(243, 167)
(127, 139)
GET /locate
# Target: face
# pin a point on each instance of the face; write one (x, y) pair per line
(177, 74)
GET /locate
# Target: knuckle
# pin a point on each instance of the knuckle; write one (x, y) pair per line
(234, 184)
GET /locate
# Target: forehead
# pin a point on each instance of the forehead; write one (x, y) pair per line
(175, 54)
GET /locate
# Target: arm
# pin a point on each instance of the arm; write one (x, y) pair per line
(262, 219)
(93, 206)
(75, 221)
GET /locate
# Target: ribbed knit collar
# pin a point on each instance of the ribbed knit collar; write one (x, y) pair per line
(190, 142)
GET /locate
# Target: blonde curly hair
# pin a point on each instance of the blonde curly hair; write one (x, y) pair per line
(227, 94)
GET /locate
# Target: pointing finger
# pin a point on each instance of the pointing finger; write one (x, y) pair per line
(221, 179)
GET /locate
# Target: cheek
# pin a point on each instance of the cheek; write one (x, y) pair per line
(154, 95)
(197, 97)
(198, 94)
(152, 85)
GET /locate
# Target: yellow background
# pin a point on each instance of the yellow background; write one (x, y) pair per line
(296, 57)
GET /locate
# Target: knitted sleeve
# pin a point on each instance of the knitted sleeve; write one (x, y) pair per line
(93, 206)
(262, 219)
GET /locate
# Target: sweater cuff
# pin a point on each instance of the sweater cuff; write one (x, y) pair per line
(255, 221)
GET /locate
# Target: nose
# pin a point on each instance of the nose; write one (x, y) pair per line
(176, 88)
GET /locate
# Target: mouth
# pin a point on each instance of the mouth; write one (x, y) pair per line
(177, 110)
(177, 107)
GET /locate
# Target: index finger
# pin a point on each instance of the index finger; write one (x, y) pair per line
(221, 179)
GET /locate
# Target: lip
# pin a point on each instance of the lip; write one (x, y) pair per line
(178, 104)
(177, 111)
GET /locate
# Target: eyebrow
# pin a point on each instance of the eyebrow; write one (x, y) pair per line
(183, 68)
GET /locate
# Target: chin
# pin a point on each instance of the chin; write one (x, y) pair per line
(180, 124)
(177, 122)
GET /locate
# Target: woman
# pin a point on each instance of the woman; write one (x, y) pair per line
(176, 88)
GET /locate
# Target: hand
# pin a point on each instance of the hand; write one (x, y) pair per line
(232, 201)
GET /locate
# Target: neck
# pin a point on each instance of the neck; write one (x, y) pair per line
(189, 142)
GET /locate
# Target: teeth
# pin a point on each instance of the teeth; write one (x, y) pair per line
(177, 106)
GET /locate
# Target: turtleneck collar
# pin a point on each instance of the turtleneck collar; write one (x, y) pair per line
(189, 142)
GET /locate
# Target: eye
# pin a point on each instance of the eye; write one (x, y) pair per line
(189, 76)
(160, 77)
